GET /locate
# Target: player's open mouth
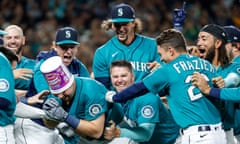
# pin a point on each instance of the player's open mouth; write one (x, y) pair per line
(202, 51)
(67, 57)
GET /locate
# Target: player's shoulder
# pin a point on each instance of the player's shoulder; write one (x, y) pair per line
(106, 45)
(3, 59)
(26, 62)
(145, 37)
(148, 98)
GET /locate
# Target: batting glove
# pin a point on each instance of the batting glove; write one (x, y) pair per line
(50, 103)
(109, 96)
(57, 114)
(179, 16)
(49, 106)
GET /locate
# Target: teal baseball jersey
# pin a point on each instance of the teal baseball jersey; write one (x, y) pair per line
(188, 106)
(89, 100)
(7, 91)
(237, 112)
(28, 64)
(149, 108)
(236, 59)
(88, 103)
(228, 113)
(140, 52)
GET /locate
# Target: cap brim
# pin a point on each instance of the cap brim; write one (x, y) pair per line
(67, 42)
(2, 32)
(121, 20)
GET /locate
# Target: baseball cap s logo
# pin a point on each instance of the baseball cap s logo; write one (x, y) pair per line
(67, 34)
(120, 12)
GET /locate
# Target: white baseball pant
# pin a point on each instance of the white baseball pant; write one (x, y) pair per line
(204, 134)
(28, 132)
(7, 135)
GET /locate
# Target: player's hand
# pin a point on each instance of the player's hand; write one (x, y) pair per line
(193, 50)
(57, 113)
(50, 103)
(153, 65)
(199, 81)
(110, 132)
(218, 82)
(22, 73)
(50, 123)
(38, 98)
(65, 129)
(109, 96)
(179, 16)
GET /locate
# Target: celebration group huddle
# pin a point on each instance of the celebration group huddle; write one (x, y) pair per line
(141, 90)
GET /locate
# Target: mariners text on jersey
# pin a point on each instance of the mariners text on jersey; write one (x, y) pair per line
(139, 66)
(192, 64)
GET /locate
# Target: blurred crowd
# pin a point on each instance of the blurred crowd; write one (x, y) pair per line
(41, 18)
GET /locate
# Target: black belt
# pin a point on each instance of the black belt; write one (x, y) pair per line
(202, 128)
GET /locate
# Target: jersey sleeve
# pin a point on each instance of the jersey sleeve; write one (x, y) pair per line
(7, 89)
(84, 71)
(100, 66)
(231, 94)
(148, 109)
(92, 95)
(40, 82)
(6, 79)
(158, 80)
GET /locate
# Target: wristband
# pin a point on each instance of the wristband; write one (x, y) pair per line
(72, 121)
(215, 92)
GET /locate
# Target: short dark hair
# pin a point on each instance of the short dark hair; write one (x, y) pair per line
(11, 56)
(122, 63)
(173, 38)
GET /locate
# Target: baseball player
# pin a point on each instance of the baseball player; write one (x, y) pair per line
(7, 101)
(77, 101)
(20, 109)
(199, 119)
(15, 40)
(233, 51)
(211, 43)
(148, 119)
(140, 50)
(65, 45)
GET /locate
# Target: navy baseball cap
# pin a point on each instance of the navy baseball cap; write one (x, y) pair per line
(66, 35)
(122, 13)
(233, 33)
(215, 30)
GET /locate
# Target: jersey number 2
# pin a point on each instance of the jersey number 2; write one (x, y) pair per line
(194, 96)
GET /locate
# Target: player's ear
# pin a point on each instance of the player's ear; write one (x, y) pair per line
(218, 43)
(171, 50)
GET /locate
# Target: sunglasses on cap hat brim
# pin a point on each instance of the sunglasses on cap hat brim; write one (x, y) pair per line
(67, 46)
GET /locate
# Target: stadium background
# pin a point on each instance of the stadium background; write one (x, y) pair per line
(41, 18)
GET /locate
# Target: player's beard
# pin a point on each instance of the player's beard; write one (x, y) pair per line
(210, 54)
(19, 50)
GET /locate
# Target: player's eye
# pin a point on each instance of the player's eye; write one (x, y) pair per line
(118, 25)
(66, 47)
